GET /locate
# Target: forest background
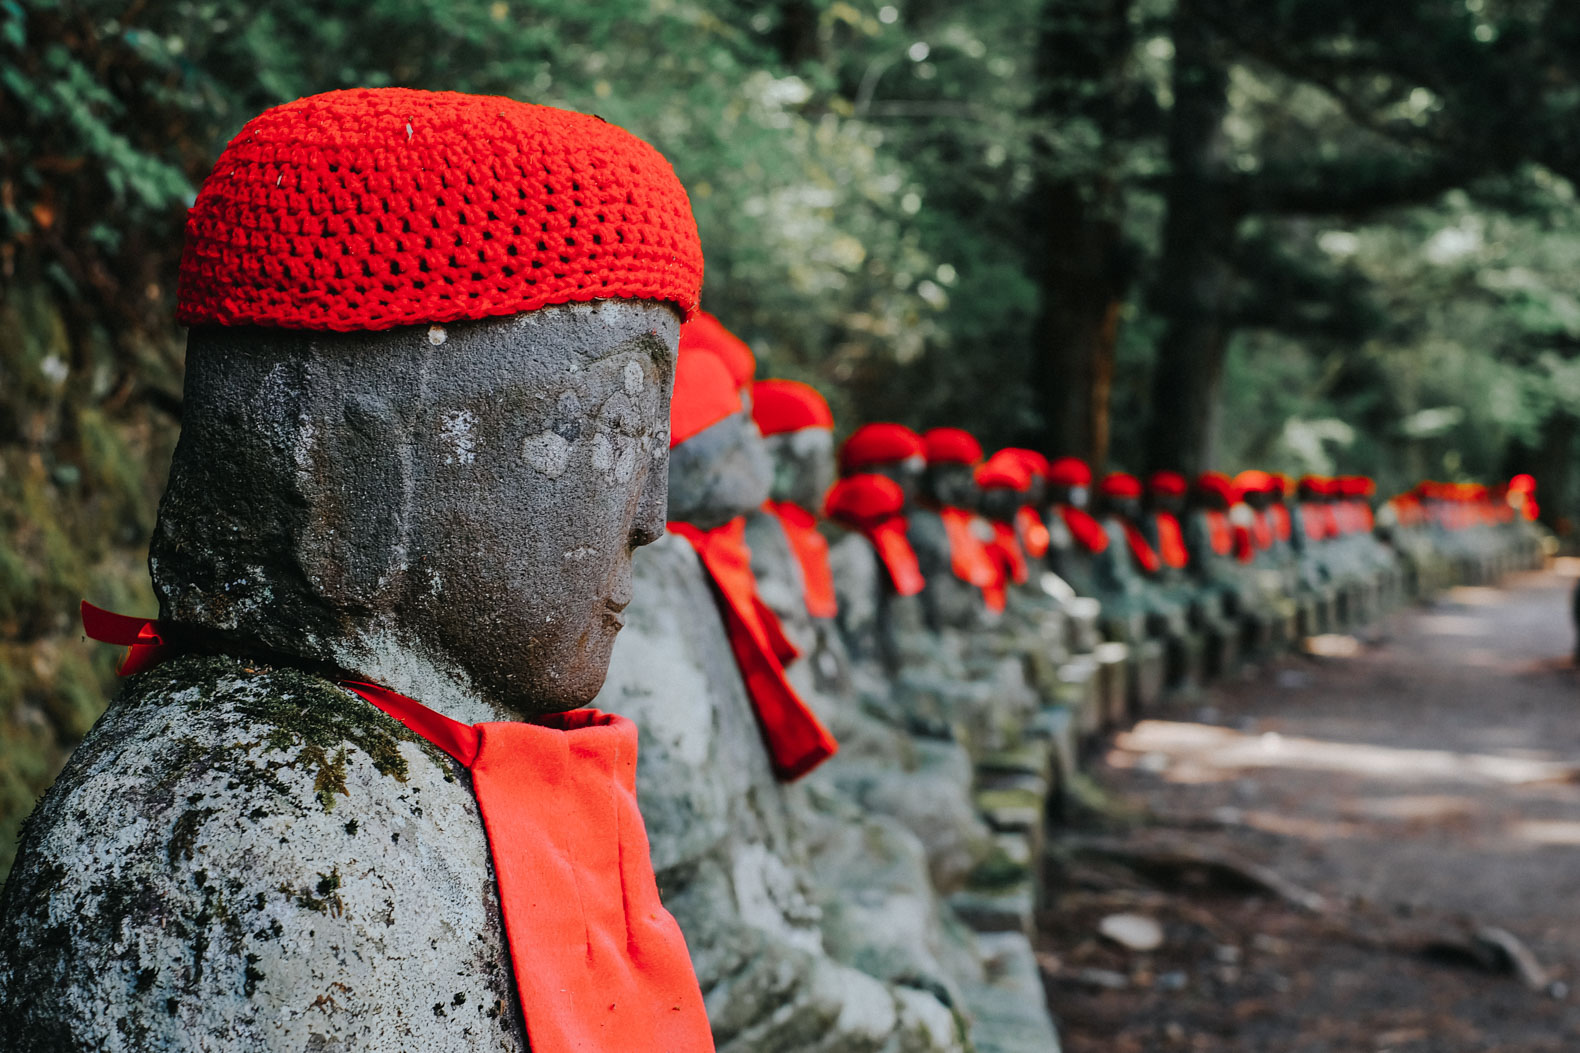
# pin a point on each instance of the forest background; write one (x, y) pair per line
(1305, 235)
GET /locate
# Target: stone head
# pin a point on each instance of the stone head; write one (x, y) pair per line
(1166, 492)
(1004, 481)
(421, 434)
(949, 479)
(1069, 482)
(797, 427)
(719, 465)
(1120, 495)
(890, 450)
(1214, 491)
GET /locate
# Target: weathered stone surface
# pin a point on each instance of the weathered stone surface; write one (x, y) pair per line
(243, 857)
(730, 843)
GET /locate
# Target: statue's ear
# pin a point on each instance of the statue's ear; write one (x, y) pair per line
(354, 472)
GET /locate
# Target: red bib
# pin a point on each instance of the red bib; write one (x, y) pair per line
(1141, 548)
(599, 963)
(874, 506)
(1007, 552)
(811, 552)
(797, 741)
(1261, 530)
(1171, 540)
(968, 556)
(1088, 532)
(1033, 532)
(1220, 535)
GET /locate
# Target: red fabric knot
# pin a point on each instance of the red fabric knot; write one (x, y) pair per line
(881, 443)
(1007, 553)
(1220, 535)
(703, 332)
(873, 506)
(143, 639)
(811, 553)
(796, 740)
(1034, 536)
(780, 406)
(968, 555)
(373, 208)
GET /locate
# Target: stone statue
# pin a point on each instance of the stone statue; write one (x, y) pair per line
(431, 480)
(783, 956)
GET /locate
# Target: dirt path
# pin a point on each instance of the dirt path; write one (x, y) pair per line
(1423, 787)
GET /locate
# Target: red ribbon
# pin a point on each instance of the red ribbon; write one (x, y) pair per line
(811, 552)
(1220, 535)
(1171, 540)
(1088, 532)
(1283, 528)
(1261, 530)
(145, 645)
(796, 740)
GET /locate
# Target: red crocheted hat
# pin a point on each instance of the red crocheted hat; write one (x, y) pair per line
(1035, 462)
(880, 443)
(779, 406)
(373, 208)
(1069, 471)
(1168, 484)
(860, 499)
(704, 332)
(1254, 481)
(950, 446)
(704, 395)
(1219, 485)
(1004, 470)
(1120, 486)
(1522, 483)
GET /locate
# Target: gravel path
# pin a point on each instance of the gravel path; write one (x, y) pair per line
(1425, 787)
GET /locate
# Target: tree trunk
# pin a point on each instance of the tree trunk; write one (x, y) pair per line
(1195, 281)
(1074, 229)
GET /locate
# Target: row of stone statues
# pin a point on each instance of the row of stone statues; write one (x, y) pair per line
(447, 376)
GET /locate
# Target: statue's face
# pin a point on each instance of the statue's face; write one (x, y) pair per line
(721, 472)
(1169, 503)
(460, 501)
(803, 466)
(1259, 499)
(950, 484)
(907, 474)
(544, 452)
(1001, 503)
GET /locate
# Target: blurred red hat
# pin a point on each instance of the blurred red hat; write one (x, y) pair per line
(1004, 470)
(704, 395)
(1168, 484)
(1120, 486)
(1069, 471)
(1523, 483)
(1035, 462)
(703, 332)
(1254, 481)
(779, 406)
(951, 446)
(881, 443)
(1219, 485)
(863, 499)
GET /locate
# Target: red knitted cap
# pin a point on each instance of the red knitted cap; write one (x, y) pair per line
(1254, 481)
(706, 333)
(1120, 485)
(1035, 463)
(1220, 485)
(1069, 471)
(881, 443)
(779, 406)
(704, 395)
(1522, 483)
(1319, 485)
(1004, 470)
(862, 499)
(1168, 484)
(951, 446)
(373, 208)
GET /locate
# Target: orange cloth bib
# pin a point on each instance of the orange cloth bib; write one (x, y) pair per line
(1171, 541)
(811, 552)
(796, 740)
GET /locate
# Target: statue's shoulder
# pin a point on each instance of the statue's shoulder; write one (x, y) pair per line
(239, 855)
